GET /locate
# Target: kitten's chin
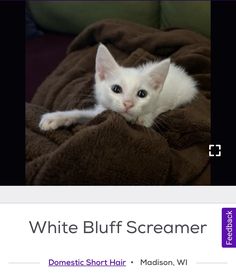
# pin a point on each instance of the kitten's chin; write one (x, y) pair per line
(127, 116)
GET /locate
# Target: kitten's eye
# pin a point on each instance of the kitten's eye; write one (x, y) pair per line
(116, 88)
(142, 93)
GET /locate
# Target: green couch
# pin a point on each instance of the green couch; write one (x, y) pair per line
(71, 17)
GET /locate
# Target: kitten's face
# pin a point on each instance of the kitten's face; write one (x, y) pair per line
(132, 92)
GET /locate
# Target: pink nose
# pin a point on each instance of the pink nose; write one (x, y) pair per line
(128, 104)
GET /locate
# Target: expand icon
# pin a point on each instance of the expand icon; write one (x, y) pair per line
(214, 150)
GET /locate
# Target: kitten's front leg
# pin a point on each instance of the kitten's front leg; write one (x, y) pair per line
(146, 120)
(52, 121)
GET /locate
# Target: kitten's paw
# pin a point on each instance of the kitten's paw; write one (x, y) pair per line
(52, 121)
(145, 120)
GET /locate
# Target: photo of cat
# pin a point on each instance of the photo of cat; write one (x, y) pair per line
(139, 94)
(119, 93)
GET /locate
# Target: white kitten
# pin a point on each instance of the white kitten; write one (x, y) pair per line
(138, 94)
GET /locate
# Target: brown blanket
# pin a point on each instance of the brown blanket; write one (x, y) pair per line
(108, 150)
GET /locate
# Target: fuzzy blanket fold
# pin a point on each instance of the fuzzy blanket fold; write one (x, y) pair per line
(108, 150)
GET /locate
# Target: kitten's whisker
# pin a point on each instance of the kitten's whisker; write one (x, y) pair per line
(157, 128)
(148, 132)
(161, 123)
(169, 125)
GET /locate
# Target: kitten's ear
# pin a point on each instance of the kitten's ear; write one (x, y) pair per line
(158, 73)
(105, 63)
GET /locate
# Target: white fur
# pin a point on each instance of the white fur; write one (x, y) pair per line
(168, 87)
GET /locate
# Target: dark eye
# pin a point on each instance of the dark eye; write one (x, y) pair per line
(142, 93)
(116, 88)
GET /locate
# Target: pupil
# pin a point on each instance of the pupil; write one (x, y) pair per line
(116, 89)
(142, 93)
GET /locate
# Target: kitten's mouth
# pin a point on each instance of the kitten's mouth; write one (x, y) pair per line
(126, 111)
(127, 115)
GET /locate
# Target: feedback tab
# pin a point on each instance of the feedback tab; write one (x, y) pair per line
(228, 227)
